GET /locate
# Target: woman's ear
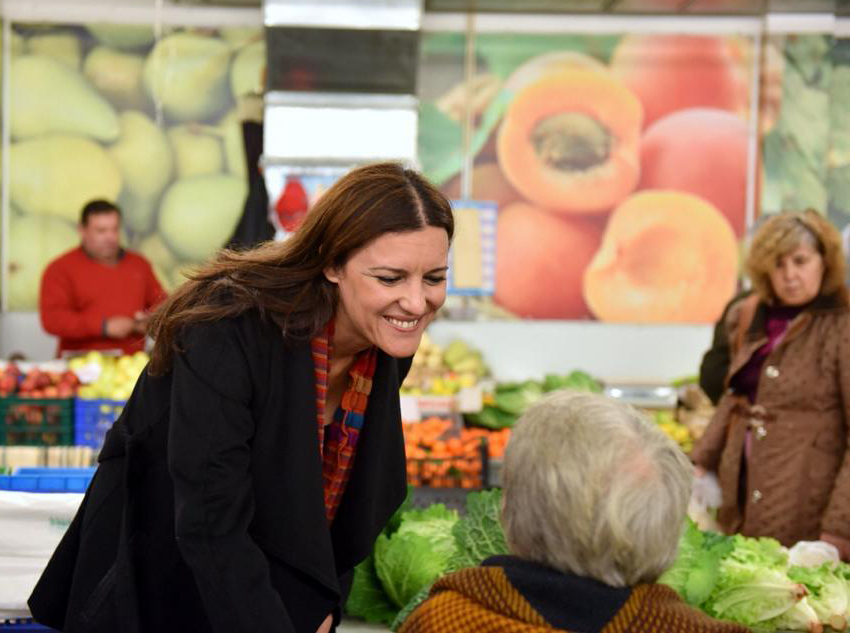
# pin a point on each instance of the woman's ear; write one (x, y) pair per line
(332, 274)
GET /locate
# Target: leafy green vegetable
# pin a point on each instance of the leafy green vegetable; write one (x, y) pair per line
(417, 554)
(478, 534)
(696, 569)
(800, 617)
(576, 379)
(406, 563)
(434, 523)
(752, 587)
(367, 598)
(515, 398)
(829, 593)
(491, 417)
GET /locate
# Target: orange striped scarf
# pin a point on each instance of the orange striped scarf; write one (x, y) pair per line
(338, 441)
(484, 599)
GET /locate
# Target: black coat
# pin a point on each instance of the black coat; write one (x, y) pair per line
(207, 513)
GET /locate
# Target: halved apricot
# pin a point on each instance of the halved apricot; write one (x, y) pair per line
(569, 141)
(666, 257)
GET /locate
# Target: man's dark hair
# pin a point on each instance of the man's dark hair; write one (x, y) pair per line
(96, 207)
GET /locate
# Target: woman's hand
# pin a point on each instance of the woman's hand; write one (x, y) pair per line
(325, 626)
(842, 544)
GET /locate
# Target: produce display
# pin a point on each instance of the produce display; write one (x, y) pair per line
(508, 400)
(120, 112)
(675, 430)
(419, 546)
(439, 455)
(37, 383)
(751, 581)
(443, 371)
(106, 376)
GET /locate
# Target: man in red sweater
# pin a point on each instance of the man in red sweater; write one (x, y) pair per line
(97, 296)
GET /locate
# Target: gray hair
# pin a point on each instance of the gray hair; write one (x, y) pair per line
(591, 487)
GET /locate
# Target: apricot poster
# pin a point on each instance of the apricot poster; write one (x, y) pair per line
(618, 164)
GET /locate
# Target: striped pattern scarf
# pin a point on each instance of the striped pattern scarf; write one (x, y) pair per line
(510, 599)
(338, 441)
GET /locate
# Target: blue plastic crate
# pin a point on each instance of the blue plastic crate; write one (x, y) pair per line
(23, 626)
(93, 418)
(48, 480)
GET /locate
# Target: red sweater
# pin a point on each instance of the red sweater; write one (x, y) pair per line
(79, 293)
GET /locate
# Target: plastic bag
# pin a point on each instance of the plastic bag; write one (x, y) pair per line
(812, 553)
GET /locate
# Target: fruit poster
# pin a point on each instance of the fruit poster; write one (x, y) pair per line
(806, 127)
(151, 121)
(618, 164)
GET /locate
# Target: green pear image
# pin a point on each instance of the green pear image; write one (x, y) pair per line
(63, 47)
(230, 129)
(240, 36)
(161, 258)
(138, 212)
(246, 71)
(117, 75)
(198, 215)
(123, 36)
(143, 154)
(58, 174)
(48, 97)
(33, 242)
(187, 73)
(197, 150)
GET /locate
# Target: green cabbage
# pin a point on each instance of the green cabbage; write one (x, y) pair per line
(417, 554)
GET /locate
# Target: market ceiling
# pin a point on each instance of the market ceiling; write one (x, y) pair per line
(617, 7)
(644, 7)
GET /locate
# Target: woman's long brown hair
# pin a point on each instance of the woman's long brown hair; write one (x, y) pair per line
(285, 281)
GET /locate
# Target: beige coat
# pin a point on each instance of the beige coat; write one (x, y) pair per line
(796, 482)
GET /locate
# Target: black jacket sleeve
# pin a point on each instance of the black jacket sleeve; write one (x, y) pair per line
(210, 434)
(715, 362)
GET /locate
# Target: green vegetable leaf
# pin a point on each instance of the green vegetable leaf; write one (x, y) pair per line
(829, 593)
(406, 564)
(810, 55)
(491, 417)
(502, 53)
(514, 398)
(367, 599)
(440, 144)
(478, 534)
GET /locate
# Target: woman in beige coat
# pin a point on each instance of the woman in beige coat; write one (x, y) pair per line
(778, 440)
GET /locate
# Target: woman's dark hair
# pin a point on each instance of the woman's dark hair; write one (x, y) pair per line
(285, 281)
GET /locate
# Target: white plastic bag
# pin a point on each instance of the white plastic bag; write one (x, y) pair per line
(705, 498)
(812, 553)
(31, 526)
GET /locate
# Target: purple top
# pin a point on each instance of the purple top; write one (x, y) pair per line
(746, 380)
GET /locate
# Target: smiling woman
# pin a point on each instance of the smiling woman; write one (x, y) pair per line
(261, 453)
(390, 291)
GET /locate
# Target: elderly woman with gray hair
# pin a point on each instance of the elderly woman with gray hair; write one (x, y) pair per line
(594, 503)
